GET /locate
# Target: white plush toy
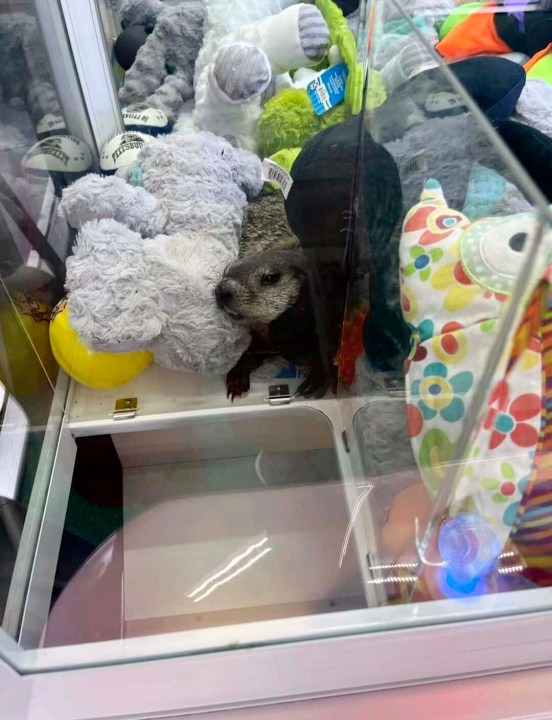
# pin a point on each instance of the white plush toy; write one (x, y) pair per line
(246, 46)
(150, 251)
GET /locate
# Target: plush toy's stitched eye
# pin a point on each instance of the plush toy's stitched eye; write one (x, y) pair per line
(271, 279)
(517, 241)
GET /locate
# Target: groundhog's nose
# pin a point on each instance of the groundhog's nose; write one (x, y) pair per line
(223, 295)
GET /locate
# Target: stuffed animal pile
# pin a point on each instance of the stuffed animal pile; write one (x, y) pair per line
(231, 58)
(154, 238)
(466, 220)
(500, 54)
(149, 251)
(163, 71)
(232, 79)
(24, 73)
(28, 103)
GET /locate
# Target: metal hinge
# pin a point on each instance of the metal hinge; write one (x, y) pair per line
(279, 395)
(125, 408)
(395, 385)
(345, 439)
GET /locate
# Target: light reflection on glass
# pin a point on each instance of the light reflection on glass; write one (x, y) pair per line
(211, 584)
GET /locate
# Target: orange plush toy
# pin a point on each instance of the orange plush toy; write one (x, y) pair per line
(498, 28)
(475, 35)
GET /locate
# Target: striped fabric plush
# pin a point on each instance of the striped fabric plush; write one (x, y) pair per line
(532, 532)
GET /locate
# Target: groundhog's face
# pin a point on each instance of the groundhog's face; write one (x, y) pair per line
(261, 287)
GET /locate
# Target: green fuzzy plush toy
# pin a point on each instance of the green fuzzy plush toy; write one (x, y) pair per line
(288, 119)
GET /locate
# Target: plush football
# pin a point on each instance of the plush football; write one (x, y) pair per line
(51, 125)
(58, 154)
(150, 121)
(121, 150)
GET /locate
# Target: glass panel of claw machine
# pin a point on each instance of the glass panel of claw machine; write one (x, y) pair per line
(235, 499)
(37, 158)
(413, 217)
(444, 367)
(242, 506)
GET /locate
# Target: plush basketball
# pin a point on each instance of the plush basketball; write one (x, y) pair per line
(58, 154)
(93, 369)
(150, 121)
(121, 150)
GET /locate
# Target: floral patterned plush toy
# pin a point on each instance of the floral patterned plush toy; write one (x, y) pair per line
(455, 278)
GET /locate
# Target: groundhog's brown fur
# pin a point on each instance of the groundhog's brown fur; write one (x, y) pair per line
(267, 278)
(268, 285)
(265, 226)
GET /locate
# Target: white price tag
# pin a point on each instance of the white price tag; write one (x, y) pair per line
(417, 163)
(272, 172)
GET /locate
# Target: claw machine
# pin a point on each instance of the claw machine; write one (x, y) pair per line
(274, 325)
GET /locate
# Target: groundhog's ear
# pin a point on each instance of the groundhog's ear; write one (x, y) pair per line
(300, 271)
(298, 263)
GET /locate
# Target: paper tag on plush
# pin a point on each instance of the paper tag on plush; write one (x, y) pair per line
(328, 89)
(429, 65)
(417, 163)
(272, 172)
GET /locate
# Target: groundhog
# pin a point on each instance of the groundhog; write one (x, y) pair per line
(268, 287)
(343, 206)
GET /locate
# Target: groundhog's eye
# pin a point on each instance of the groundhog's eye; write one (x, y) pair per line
(271, 279)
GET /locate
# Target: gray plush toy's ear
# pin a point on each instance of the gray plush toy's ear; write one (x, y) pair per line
(140, 12)
(116, 301)
(246, 169)
(94, 197)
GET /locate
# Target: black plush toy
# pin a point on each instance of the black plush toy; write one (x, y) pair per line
(344, 230)
(348, 7)
(523, 26)
(129, 41)
(343, 207)
(528, 31)
(533, 149)
(494, 83)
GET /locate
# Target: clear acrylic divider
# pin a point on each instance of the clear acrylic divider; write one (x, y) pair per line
(444, 341)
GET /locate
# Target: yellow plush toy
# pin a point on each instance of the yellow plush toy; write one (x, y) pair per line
(93, 369)
(27, 367)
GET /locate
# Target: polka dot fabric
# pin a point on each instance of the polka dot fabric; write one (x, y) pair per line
(455, 278)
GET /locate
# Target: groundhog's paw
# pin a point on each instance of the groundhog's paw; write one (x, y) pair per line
(315, 384)
(237, 383)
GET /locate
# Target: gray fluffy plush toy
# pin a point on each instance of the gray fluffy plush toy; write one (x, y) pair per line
(149, 254)
(163, 72)
(457, 153)
(24, 70)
